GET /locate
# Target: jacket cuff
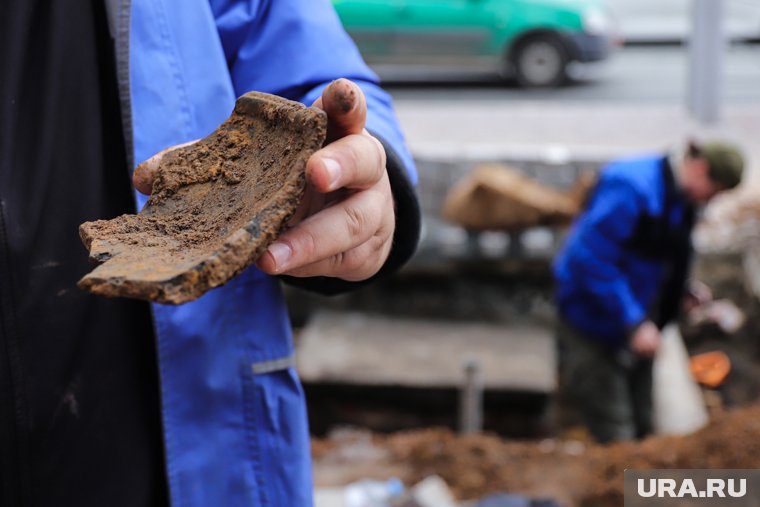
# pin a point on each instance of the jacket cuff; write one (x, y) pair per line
(634, 318)
(406, 234)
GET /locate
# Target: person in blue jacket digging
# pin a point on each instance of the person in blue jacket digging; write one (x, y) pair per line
(622, 276)
(107, 402)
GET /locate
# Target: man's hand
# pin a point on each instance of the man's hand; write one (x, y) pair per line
(646, 339)
(146, 172)
(697, 295)
(344, 225)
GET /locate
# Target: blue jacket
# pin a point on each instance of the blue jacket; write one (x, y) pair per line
(233, 409)
(625, 257)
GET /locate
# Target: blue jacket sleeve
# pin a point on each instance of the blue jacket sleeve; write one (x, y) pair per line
(295, 48)
(597, 250)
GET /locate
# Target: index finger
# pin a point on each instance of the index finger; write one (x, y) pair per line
(356, 162)
(346, 109)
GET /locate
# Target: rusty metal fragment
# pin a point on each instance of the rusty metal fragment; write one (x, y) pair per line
(215, 206)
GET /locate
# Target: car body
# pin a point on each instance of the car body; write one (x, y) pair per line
(534, 40)
(671, 20)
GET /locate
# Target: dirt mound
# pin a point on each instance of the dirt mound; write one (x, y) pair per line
(497, 197)
(216, 205)
(573, 473)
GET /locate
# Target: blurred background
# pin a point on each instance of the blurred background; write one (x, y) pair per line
(449, 368)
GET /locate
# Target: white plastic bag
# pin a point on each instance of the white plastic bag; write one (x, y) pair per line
(679, 408)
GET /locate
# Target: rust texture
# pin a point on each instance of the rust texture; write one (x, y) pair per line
(215, 206)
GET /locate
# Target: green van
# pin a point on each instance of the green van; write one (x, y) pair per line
(532, 40)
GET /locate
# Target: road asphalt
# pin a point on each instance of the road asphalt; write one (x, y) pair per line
(561, 131)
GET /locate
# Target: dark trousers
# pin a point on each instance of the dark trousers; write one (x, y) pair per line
(612, 389)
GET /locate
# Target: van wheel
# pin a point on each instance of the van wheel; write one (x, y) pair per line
(540, 62)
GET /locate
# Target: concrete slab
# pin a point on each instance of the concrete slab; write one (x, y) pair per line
(355, 348)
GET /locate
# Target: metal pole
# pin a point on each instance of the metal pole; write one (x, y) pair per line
(471, 399)
(516, 250)
(706, 48)
(473, 244)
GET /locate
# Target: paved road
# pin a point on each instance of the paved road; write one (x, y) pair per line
(636, 103)
(656, 74)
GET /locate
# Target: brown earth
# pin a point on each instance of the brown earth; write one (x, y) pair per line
(215, 207)
(574, 473)
(498, 197)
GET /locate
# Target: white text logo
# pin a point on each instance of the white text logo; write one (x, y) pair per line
(716, 488)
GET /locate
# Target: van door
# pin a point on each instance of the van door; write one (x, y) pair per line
(446, 31)
(372, 25)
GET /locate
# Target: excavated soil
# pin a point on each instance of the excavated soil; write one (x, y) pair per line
(215, 207)
(574, 473)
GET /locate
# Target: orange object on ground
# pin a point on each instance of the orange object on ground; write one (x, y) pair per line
(710, 369)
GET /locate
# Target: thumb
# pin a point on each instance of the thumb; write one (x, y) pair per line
(346, 109)
(145, 173)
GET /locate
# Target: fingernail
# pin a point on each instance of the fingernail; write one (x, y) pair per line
(281, 253)
(333, 171)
